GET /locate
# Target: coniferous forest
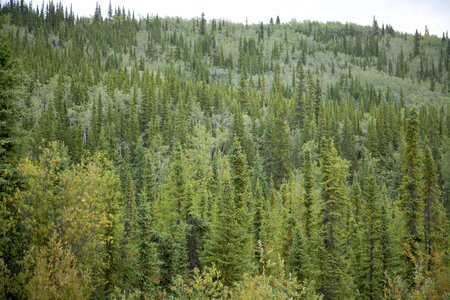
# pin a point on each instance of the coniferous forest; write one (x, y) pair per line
(165, 158)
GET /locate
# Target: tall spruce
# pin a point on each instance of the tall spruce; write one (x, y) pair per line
(434, 220)
(10, 235)
(410, 192)
(225, 247)
(334, 192)
(373, 267)
(148, 263)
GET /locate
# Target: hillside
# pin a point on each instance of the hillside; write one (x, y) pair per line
(194, 159)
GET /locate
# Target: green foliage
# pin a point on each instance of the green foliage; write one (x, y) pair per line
(335, 202)
(54, 274)
(148, 264)
(201, 159)
(299, 262)
(411, 202)
(371, 273)
(228, 245)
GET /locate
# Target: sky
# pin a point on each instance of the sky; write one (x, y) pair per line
(403, 15)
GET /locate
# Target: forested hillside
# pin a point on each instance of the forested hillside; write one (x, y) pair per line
(145, 158)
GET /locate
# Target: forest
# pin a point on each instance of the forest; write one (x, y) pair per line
(166, 158)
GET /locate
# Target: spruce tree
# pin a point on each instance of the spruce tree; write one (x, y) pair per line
(373, 267)
(9, 85)
(241, 197)
(113, 233)
(300, 91)
(148, 264)
(410, 190)
(356, 199)
(10, 236)
(299, 261)
(308, 183)
(416, 49)
(334, 205)
(434, 220)
(258, 210)
(226, 247)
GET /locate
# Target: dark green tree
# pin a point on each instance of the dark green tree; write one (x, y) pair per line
(299, 260)
(434, 224)
(373, 268)
(148, 263)
(416, 49)
(410, 190)
(334, 205)
(10, 235)
(227, 246)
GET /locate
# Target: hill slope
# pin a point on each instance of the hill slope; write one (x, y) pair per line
(162, 157)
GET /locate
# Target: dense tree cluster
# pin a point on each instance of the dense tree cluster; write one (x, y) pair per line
(194, 159)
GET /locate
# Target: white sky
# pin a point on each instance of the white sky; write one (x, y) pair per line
(403, 15)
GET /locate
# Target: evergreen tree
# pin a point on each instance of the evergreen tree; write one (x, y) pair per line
(299, 260)
(373, 267)
(225, 247)
(281, 148)
(386, 239)
(161, 98)
(410, 189)
(241, 197)
(258, 208)
(334, 197)
(434, 221)
(9, 148)
(148, 264)
(203, 24)
(308, 198)
(78, 143)
(300, 89)
(416, 49)
(111, 264)
(356, 199)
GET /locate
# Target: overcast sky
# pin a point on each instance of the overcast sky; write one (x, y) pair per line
(403, 15)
